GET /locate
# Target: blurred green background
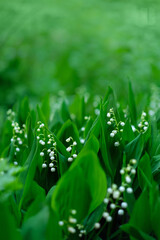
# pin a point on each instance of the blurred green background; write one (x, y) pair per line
(49, 46)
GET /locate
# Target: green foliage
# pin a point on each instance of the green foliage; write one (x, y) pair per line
(67, 173)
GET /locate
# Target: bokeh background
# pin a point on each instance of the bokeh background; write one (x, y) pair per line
(58, 45)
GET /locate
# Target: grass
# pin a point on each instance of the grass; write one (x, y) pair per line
(77, 169)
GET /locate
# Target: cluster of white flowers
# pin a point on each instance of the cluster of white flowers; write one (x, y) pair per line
(127, 173)
(143, 125)
(72, 225)
(49, 147)
(117, 127)
(19, 134)
(114, 196)
(71, 149)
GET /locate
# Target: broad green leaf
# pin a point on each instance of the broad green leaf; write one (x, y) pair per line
(34, 192)
(94, 176)
(71, 193)
(91, 144)
(135, 233)
(128, 135)
(34, 223)
(7, 224)
(84, 195)
(53, 230)
(144, 172)
(141, 214)
(44, 225)
(34, 208)
(134, 149)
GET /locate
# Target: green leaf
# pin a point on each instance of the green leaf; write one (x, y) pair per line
(154, 199)
(26, 177)
(33, 209)
(94, 217)
(135, 233)
(53, 230)
(63, 164)
(64, 111)
(41, 116)
(14, 209)
(35, 227)
(30, 135)
(108, 94)
(84, 195)
(50, 193)
(103, 145)
(155, 164)
(130, 199)
(34, 192)
(94, 176)
(7, 223)
(78, 109)
(141, 214)
(91, 144)
(144, 172)
(69, 129)
(156, 218)
(44, 226)
(60, 147)
(95, 128)
(6, 136)
(24, 110)
(45, 108)
(134, 149)
(132, 106)
(70, 193)
(127, 135)
(8, 179)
